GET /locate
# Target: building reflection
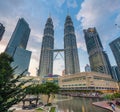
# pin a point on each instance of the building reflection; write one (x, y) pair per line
(78, 105)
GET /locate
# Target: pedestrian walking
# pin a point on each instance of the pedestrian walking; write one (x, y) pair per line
(112, 105)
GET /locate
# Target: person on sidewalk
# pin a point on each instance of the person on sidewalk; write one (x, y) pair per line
(112, 105)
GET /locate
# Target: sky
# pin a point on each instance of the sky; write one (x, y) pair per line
(102, 14)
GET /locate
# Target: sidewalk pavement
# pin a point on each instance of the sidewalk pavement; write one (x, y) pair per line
(105, 105)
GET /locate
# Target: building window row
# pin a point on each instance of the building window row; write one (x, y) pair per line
(74, 79)
(106, 79)
(89, 88)
(74, 85)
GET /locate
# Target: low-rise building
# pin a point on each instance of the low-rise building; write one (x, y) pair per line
(33, 80)
(50, 78)
(88, 81)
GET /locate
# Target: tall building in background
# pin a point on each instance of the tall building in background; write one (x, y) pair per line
(99, 61)
(19, 37)
(70, 47)
(2, 30)
(87, 68)
(115, 47)
(17, 47)
(115, 73)
(46, 57)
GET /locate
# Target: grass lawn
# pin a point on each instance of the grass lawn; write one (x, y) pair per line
(39, 110)
(52, 109)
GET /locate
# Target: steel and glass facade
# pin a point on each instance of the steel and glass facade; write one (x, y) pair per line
(46, 57)
(19, 37)
(2, 30)
(17, 46)
(87, 68)
(99, 61)
(70, 47)
(115, 73)
(21, 60)
(115, 47)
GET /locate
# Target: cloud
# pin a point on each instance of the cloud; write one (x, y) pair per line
(72, 3)
(80, 40)
(9, 24)
(33, 67)
(60, 2)
(2, 46)
(56, 22)
(101, 14)
(95, 11)
(117, 21)
(10, 12)
(60, 66)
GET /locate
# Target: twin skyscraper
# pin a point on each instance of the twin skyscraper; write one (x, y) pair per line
(18, 42)
(70, 49)
(17, 49)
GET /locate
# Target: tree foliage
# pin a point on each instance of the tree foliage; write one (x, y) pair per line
(11, 89)
(45, 88)
(34, 89)
(49, 88)
(112, 96)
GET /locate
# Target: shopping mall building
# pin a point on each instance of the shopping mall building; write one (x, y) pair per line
(88, 81)
(81, 81)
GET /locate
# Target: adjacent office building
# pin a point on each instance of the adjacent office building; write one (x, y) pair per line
(2, 30)
(70, 47)
(46, 57)
(87, 68)
(99, 61)
(115, 47)
(115, 73)
(17, 47)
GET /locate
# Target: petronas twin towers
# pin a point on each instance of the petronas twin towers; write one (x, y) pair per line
(70, 49)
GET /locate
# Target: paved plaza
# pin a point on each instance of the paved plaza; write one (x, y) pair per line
(104, 104)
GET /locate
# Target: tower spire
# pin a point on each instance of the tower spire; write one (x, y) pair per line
(70, 46)
(46, 57)
(49, 15)
(68, 11)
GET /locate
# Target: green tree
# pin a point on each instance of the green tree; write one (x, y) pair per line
(34, 90)
(11, 89)
(116, 95)
(49, 88)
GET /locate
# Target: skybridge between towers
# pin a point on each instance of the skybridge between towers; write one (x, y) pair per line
(58, 52)
(49, 54)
